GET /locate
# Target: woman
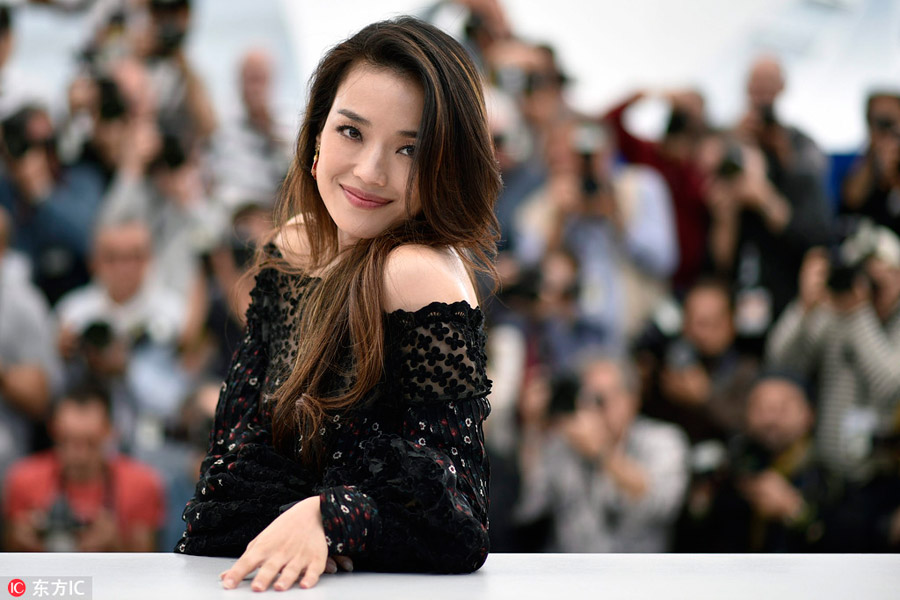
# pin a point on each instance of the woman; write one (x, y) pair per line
(350, 422)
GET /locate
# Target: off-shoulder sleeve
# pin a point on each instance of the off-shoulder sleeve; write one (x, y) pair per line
(416, 497)
(243, 480)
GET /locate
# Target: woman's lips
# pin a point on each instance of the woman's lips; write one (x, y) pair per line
(361, 199)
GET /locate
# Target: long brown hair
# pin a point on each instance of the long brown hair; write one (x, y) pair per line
(456, 177)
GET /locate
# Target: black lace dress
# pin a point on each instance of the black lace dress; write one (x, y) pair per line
(405, 486)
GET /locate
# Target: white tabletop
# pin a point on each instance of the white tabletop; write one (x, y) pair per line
(518, 576)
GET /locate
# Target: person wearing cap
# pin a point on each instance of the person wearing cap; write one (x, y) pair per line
(850, 335)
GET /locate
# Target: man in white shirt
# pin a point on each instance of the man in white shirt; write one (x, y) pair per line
(124, 329)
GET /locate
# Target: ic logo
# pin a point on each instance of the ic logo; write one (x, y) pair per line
(16, 587)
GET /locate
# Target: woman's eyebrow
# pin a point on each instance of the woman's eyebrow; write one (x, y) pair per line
(364, 121)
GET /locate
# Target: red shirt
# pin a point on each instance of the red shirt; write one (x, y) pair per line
(686, 186)
(136, 491)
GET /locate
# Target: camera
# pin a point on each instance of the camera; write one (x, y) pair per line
(98, 335)
(681, 355)
(112, 103)
(884, 124)
(170, 28)
(855, 241)
(61, 528)
(732, 163)
(519, 82)
(748, 457)
(588, 141)
(767, 115)
(172, 153)
(564, 391)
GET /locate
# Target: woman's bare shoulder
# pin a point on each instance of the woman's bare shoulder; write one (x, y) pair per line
(291, 241)
(416, 276)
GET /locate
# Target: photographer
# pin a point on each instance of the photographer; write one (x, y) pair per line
(702, 377)
(531, 74)
(171, 202)
(872, 187)
(52, 208)
(795, 164)
(184, 104)
(252, 152)
(77, 496)
(845, 326)
(611, 480)
(617, 221)
(674, 157)
(126, 330)
(772, 493)
(759, 234)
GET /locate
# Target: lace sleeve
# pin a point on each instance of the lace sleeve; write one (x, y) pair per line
(243, 481)
(416, 498)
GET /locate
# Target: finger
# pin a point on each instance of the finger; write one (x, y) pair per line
(345, 562)
(245, 564)
(330, 566)
(289, 575)
(266, 574)
(313, 571)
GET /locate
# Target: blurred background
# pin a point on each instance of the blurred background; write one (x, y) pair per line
(696, 343)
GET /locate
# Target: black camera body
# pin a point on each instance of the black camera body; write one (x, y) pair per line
(62, 527)
(855, 241)
(767, 115)
(748, 457)
(732, 163)
(170, 29)
(589, 140)
(564, 391)
(681, 355)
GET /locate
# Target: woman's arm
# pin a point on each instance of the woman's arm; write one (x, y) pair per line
(417, 498)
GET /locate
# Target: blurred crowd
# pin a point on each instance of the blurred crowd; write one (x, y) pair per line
(694, 347)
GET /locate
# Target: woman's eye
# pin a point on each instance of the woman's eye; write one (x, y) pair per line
(349, 131)
(407, 150)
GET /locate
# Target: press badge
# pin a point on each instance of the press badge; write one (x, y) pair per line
(857, 429)
(753, 311)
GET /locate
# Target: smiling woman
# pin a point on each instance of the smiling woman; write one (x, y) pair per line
(349, 430)
(366, 152)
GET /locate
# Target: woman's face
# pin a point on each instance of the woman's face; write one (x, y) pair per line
(366, 152)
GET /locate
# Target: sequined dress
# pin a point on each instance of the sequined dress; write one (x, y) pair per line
(405, 484)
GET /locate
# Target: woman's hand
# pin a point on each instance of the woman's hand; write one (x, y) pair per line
(293, 545)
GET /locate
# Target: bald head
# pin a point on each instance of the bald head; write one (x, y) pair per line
(256, 78)
(122, 254)
(765, 82)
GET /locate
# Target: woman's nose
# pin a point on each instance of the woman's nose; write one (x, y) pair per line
(371, 168)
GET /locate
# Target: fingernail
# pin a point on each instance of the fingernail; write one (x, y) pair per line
(228, 583)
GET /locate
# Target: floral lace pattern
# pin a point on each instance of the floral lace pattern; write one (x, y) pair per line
(405, 486)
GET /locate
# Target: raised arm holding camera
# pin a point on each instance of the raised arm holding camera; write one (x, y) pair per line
(845, 325)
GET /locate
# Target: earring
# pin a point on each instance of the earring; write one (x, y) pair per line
(315, 162)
